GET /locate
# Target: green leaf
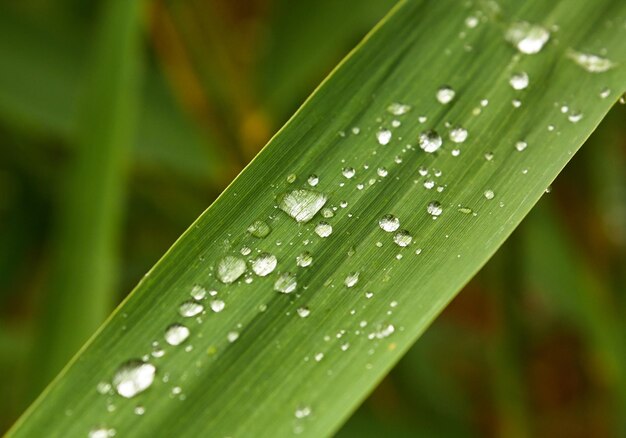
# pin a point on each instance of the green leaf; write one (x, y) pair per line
(282, 365)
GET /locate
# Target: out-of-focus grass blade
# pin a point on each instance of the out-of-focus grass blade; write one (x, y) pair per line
(253, 364)
(82, 284)
(40, 74)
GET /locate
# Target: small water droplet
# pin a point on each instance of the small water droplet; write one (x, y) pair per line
(302, 412)
(382, 172)
(139, 410)
(606, 92)
(133, 377)
(488, 156)
(198, 292)
(232, 336)
(434, 209)
(352, 279)
(465, 210)
(430, 141)
(101, 432)
(458, 135)
(516, 103)
(398, 109)
(519, 81)
(176, 334)
(521, 145)
(291, 178)
(318, 357)
(190, 308)
(590, 62)
(286, 283)
(389, 223)
(103, 388)
(383, 136)
(575, 116)
(402, 238)
(217, 305)
(304, 259)
(348, 172)
(327, 212)
(301, 204)
(264, 264)
(489, 194)
(526, 37)
(303, 312)
(471, 21)
(259, 229)
(323, 229)
(445, 94)
(313, 180)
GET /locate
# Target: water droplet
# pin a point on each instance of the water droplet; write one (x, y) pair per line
(348, 172)
(385, 331)
(103, 388)
(591, 63)
(301, 204)
(101, 432)
(198, 292)
(434, 209)
(430, 141)
(232, 336)
(575, 116)
(465, 210)
(352, 279)
(304, 259)
(519, 81)
(286, 283)
(133, 377)
(389, 223)
(445, 94)
(313, 180)
(323, 229)
(516, 103)
(230, 268)
(291, 178)
(264, 264)
(489, 194)
(521, 145)
(382, 172)
(302, 412)
(318, 357)
(303, 312)
(176, 334)
(383, 136)
(327, 212)
(526, 37)
(245, 250)
(259, 229)
(458, 135)
(488, 156)
(606, 92)
(190, 308)
(471, 22)
(402, 238)
(398, 109)
(139, 410)
(217, 305)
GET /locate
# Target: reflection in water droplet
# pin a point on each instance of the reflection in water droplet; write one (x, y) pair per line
(430, 141)
(286, 283)
(217, 305)
(383, 136)
(301, 204)
(348, 172)
(434, 209)
(190, 308)
(458, 135)
(591, 63)
(402, 238)
(264, 264)
(230, 268)
(445, 94)
(352, 279)
(176, 334)
(526, 37)
(304, 259)
(389, 223)
(323, 229)
(133, 377)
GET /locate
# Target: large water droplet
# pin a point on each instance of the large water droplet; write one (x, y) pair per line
(264, 264)
(591, 63)
(133, 377)
(286, 283)
(526, 37)
(402, 238)
(430, 141)
(176, 334)
(389, 223)
(190, 308)
(323, 229)
(259, 229)
(445, 94)
(519, 81)
(301, 204)
(217, 305)
(434, 209)
(230, 268)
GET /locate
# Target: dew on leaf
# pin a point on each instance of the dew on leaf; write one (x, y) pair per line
(430, 141)
(389, 223)
(445, 94)
(286, 283)
(133, 377)
(383, 137)
(519, 81)
(590, 62)
(264, 264)
(190, 308)
(528, 38)
(176, 334)
(259, 229)
(402, 238)
(301, 204)
(323, 229)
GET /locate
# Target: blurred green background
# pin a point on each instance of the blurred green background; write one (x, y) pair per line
(120, 124)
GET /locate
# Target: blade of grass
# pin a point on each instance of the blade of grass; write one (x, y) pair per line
(83, 275)
(281, 365)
